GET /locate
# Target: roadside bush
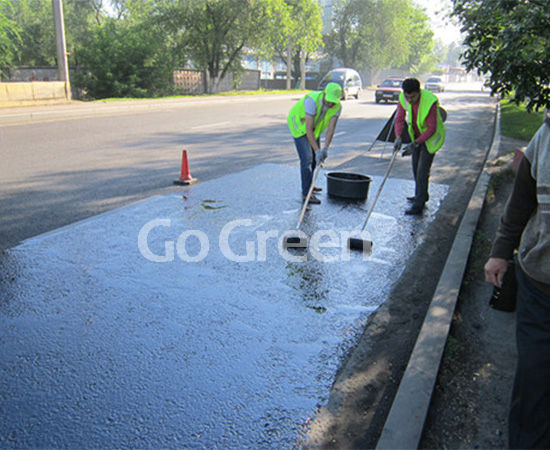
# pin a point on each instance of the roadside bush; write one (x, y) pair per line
(120, 60)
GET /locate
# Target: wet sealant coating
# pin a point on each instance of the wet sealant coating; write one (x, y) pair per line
(101, 346)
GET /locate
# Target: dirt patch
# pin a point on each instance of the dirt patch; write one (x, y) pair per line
(469, 407)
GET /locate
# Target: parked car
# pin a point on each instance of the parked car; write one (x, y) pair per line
(434, 84)
(388, 90)
(348, 79)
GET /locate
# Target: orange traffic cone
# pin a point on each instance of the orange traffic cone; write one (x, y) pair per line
(185, 177)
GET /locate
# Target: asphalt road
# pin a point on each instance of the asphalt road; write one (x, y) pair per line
(61, 164)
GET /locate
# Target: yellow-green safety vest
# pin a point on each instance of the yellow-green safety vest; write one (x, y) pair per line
(297, 116)
(427, 99)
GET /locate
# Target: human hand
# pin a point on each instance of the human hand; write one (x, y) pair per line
(321, 155)
(397, 144)
(409, 149)
(495, 268)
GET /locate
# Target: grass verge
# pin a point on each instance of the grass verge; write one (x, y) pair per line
(516, 122)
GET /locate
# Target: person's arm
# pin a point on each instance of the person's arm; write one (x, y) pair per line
(399, 120)
(330, 131)
(310, 134)
(431, 123)
(519, 208)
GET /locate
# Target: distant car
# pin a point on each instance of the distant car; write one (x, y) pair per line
(348, 79)
(389, 90)
(434, 84)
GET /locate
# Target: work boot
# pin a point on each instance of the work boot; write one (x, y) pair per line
(317, 189)
(415, 210)
(313, 200)
(413, 198)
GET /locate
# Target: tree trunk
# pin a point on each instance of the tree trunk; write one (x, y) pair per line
(302, 70)
(296, 68)
(288, 67)
(205, 82)
(214, 85)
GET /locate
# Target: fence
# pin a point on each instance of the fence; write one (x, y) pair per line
(281, 84)
(34, 74)
(190, 81)
(39, 84)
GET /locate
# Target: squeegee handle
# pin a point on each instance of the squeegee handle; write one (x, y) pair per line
(380, 189)
(306, 201)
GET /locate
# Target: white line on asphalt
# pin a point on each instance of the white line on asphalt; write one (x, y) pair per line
(340, 133)
(210, 125)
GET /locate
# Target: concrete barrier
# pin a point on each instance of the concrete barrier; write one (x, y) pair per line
(24, 93)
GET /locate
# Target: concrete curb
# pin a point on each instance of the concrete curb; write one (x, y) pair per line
(405, 421)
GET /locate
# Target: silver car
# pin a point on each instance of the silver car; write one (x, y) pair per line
(348, 79)
(434, 84)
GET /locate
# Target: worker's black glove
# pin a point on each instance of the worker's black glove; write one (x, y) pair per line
(409, 149)
(397, 144)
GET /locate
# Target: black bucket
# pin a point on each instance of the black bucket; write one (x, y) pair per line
(348, 185)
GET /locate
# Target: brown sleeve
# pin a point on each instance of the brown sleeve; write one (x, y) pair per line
(519, 208)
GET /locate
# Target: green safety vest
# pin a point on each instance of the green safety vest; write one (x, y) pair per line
(427, 99)
(297, 116)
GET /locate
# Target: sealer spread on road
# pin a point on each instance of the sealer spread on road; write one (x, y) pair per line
(180, 321)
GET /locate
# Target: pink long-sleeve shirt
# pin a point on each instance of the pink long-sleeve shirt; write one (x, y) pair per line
(431, 122)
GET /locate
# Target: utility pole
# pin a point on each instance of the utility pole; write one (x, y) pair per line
(62, 65)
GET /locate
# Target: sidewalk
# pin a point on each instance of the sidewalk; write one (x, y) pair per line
(19, 115)
(469, 408)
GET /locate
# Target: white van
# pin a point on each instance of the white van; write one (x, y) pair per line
(348, 79)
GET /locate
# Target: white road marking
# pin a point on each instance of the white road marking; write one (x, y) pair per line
(210, 125)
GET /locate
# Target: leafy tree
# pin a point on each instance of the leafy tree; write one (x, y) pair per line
(37, 46)
(214, 33)
(508, 40)
(124, 59)
(420, 41)
(80, 17)
(292, 32)
(377, 34)
(34, 18)
(447, 54)
(9, 38)
(346, 41)
(304, 35)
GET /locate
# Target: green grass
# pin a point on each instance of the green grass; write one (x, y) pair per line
(220, 94)
(517, 123)
(124, 99)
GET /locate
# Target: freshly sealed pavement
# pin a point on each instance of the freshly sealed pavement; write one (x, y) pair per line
(180, 321)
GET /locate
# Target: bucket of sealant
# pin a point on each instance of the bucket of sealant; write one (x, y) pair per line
(348, 185)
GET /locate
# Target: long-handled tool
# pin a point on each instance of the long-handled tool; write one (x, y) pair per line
(297, 239)
(358, 243)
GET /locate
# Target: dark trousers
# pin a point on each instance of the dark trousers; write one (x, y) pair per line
(529, 421)
(421, 165)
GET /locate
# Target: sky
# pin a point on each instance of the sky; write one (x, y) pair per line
(442, 25)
